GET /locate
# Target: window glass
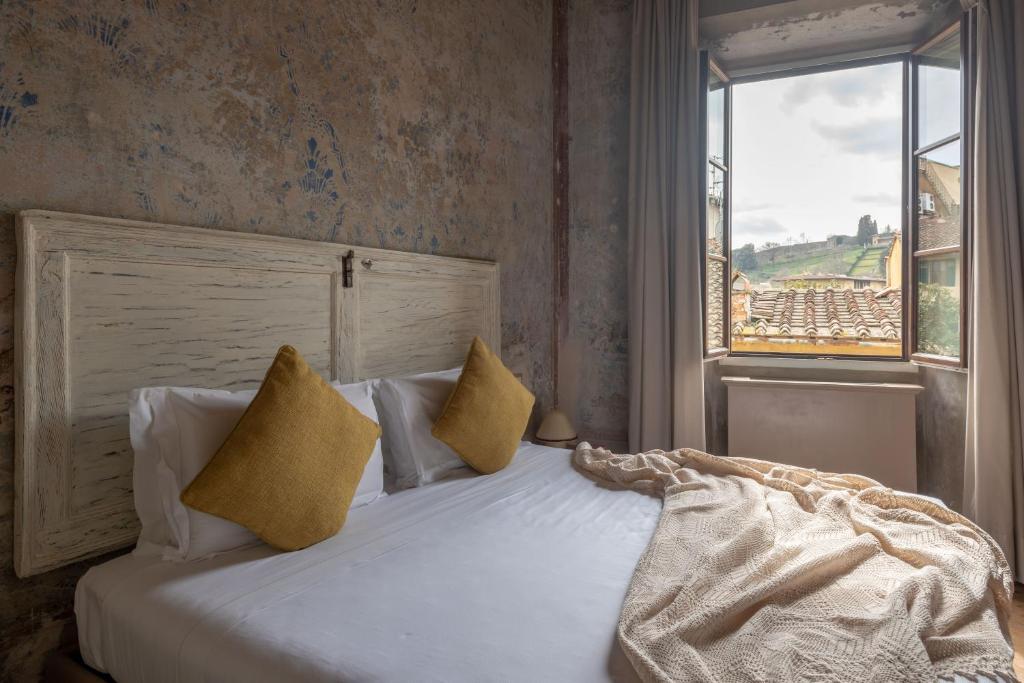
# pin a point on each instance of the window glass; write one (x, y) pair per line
(715, 288)
(938, 74)
(938, 197)
(716, 119)
(716, 210)
(938, 305)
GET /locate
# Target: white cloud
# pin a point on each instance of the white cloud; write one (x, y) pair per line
(747, 207)
(876, 198)
(874, 136)
(759, 227)
(847, 88)
(812, 169)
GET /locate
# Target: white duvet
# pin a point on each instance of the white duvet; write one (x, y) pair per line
(518, 576)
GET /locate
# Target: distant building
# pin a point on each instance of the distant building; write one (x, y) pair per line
(828, 281)
(834, 241)
(894, 261)
(939, 223)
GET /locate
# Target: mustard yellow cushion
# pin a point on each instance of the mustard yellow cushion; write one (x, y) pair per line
(290, 467)
(487, 412)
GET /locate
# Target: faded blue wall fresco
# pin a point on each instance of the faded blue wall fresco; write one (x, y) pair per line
(421, 126)
(594, 362)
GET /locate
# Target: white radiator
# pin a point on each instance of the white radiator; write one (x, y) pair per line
(862, 428)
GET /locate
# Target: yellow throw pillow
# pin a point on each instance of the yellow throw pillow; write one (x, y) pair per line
(487, 412)
(289, 469)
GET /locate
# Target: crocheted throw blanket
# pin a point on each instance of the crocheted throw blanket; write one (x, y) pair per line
(765, 572)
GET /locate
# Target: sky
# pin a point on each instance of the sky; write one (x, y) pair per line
(812, 154)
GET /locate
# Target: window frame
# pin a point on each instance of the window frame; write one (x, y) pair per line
(965, 27)
(908, 192)
(786, 73)
(708, 65)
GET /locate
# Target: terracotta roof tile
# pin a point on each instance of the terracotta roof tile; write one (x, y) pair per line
(848, 313)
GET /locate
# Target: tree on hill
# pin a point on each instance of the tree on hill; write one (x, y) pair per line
(743, 258)
(866, 227)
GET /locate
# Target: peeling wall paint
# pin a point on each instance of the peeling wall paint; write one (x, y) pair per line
(749, 36)
(412, 125)
(593, 361)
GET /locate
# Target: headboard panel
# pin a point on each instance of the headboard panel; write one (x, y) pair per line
(106, 305)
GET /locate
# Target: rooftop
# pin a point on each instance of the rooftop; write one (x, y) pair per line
(855, 314)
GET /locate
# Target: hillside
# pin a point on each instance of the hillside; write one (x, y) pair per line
(870, 262)
(816, 257)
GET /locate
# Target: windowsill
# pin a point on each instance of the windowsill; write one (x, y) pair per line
(875, 387)
(939, 366)
(898, 367)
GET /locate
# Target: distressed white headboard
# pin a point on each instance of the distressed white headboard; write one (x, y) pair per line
(106, 305)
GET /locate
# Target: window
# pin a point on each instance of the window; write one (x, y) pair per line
(715, 209)
(938, 224)
(833, 218)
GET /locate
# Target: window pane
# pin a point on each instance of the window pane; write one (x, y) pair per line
(815, 230)
(938, 305)
(716, 119)
(938, 198)
(938, 94)
(715, 287)
(716, 210)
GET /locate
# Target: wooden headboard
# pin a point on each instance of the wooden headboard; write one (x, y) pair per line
(105, 305)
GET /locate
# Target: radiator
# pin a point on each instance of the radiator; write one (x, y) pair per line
(863, 428)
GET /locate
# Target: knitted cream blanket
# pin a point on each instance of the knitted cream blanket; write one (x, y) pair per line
(765, 572)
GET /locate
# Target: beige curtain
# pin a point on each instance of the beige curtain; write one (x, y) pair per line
(994, 467)
(666, 392)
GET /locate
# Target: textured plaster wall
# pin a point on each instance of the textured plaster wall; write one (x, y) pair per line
(941, 434)
(420, 126)
(593, 364)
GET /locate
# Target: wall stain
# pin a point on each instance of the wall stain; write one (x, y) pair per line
(593, 360)
(109, 33)
(145, 202)
(15, 103)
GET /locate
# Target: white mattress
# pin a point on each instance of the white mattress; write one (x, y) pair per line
(518, 576)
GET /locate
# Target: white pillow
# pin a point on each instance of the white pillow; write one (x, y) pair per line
(409, 407)
(174, 433)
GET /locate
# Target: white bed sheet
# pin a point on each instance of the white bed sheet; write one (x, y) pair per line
(518, 576)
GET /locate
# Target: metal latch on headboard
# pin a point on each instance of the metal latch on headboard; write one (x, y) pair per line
(346, 269)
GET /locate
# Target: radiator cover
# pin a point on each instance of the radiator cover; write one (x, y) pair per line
(847, 427)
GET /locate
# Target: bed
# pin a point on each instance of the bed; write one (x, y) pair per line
(516, 576)
(519, 575)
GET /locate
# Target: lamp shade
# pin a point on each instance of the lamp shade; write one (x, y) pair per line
(556, 427)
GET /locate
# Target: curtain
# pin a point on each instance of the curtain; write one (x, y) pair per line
(994, 462)
(666, 391)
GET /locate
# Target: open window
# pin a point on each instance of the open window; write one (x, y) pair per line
(834, 217)
(939, 120)
(715, 213)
